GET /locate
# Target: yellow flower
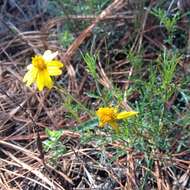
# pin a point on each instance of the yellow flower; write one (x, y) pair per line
(110, 115)
(42, 67)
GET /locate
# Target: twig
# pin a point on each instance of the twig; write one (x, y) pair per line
(39, 142)
(116, 5)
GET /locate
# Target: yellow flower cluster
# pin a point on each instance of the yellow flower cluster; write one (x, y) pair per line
(42, 67)
(40, 72)
(110, 115)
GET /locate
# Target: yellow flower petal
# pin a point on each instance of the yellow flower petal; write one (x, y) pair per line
(27, 76)
(40, 80)
(47, 80)
(55, 63)
(29, 67)
(30, 76)
(101, 124)
(54, 71)
(49, 56)
(125, 114)
(115, 126)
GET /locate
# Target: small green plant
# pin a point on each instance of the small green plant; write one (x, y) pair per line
(169, 22)
(90, 61)
(81, 7)
(167, 66)
(53, 144)
(151, 130)
(136, 61)
(65, 38)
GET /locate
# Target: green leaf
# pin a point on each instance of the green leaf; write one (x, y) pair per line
(92, 95)
(90, 124)
(53, 134)
(184, 121)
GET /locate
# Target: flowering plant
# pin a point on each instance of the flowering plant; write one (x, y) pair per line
(42, 67)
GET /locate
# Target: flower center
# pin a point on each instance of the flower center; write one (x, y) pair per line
(108, 117)
(107, 114)
(39, 62)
